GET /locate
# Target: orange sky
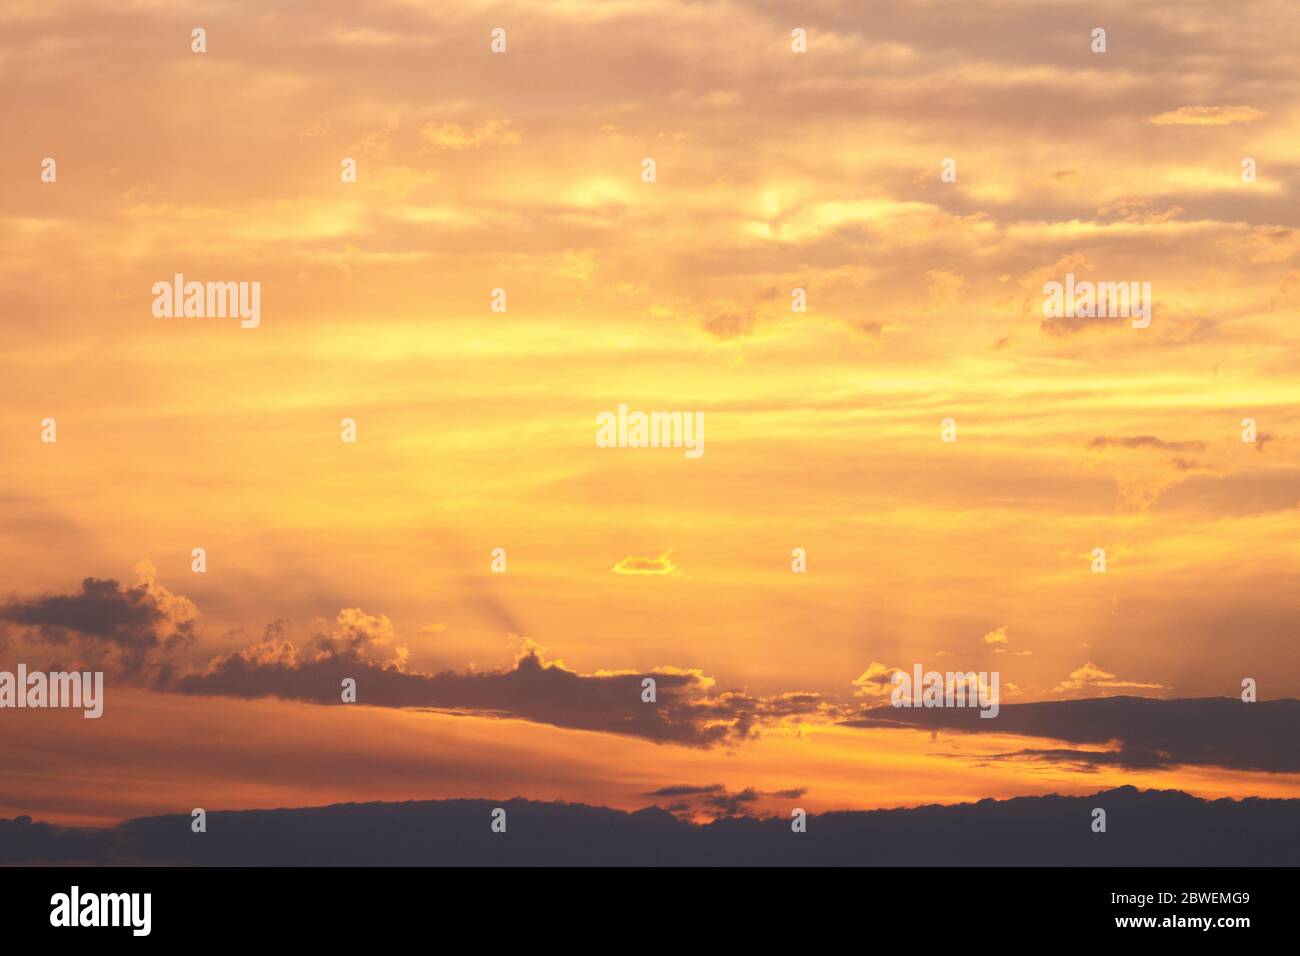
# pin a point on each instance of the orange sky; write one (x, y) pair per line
(774, 170)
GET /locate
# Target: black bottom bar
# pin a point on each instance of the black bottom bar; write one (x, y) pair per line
(655, 906)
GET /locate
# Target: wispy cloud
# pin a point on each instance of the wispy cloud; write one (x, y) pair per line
(1207, 116)
(635, 564)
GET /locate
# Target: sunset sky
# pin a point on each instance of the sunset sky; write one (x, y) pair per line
(522, 171)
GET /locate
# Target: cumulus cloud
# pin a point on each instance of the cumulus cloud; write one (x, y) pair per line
(998, 642)
(875, 681)
(111, 625)
(996, 636)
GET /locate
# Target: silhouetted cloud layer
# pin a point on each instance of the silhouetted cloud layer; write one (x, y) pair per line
(1216, 731)
(1151, 828)
(137, 629)
(147, 622)
(686, 709)
(533, 690)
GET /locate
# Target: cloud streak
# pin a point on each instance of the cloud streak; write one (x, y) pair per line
(1136, 732)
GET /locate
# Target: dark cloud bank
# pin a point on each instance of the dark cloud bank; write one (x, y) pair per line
(684, 712)
(1136, 732)
(138, 630)
(135, 632)
(1151, 828)
(714, 800)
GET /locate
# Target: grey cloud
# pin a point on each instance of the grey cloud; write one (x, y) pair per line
(133, 621)
(1146, 441)
(1143, 732)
